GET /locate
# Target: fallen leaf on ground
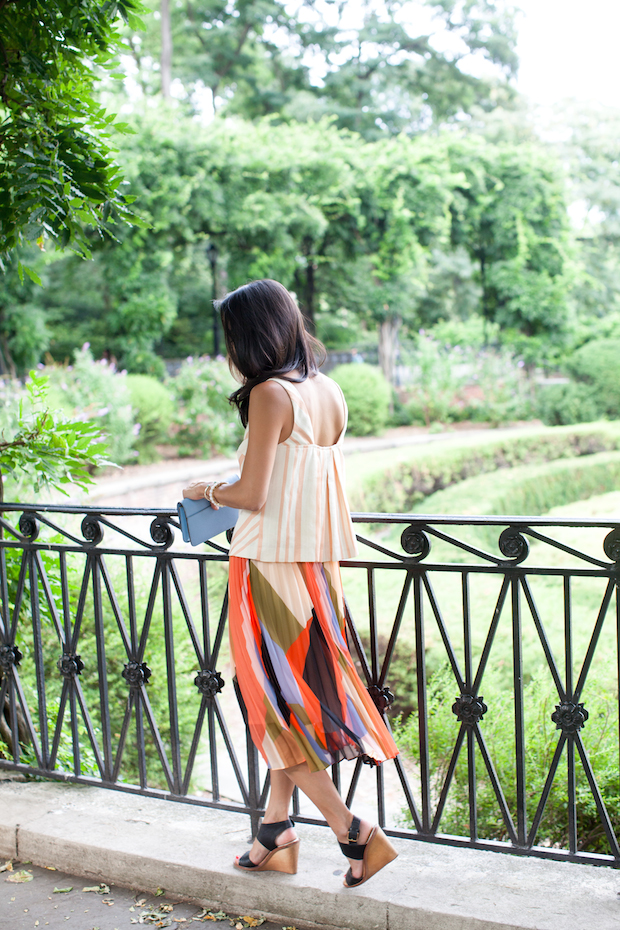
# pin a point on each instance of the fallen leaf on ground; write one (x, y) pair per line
(210, 915)
(50, 868)
(63, 890)
(18, 877)
(160, 892)
(91, 888)
(7, 867)
(253, 921)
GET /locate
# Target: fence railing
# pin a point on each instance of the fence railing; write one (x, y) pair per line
(500, 638)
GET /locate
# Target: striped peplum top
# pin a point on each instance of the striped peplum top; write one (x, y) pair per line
(306, 516)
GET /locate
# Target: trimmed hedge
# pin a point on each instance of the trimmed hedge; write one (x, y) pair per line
(401, 488)
(367, 394)
(530, 489)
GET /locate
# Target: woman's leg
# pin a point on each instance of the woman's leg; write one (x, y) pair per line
(321, 790)
(281, 790)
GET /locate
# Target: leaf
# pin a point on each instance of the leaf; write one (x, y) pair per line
(159, 892)
(7, 867)
(63, 890)
(33, 275)
(94, 888)
(19, 877)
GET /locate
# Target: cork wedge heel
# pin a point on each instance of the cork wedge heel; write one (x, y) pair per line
(279, 858)
(375, 853)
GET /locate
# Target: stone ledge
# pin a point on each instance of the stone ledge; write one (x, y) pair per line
(144, 844)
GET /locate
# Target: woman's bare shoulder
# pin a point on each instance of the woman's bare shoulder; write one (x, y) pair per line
(269, 393)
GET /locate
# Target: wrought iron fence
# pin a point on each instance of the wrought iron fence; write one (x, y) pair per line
(113, 648)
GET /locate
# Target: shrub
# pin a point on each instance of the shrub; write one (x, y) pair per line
(541, 737)
(498, 391)
(563, 404)
(206, 422)
(529, 489)
(399, 489)
(596, 363)
(435, 381)
(367, 394)
(95, 390)
(153, 411)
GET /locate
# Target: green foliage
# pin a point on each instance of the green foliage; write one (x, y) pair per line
(563, 404)
(96, 392)
(56, 173)
(45, 449)
(400, 488)
(435, 380)
(377, 75)
(153, 411)
(511, 216)
(367, 394)
(541, 738)
(596, 363)
(205, 421)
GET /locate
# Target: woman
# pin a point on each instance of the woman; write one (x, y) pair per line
(302, 698)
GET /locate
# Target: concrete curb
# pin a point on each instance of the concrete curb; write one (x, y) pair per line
(144, 844)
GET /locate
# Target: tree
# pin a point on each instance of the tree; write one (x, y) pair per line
(386, 76)
(509, 212)
(361, 63)
(57, 174)
(591, 151)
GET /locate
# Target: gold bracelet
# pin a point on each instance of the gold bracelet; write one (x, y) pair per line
(214, 488)
(208, 493)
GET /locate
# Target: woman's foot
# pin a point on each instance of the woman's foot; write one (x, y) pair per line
(368, 850)
(365, 829)
(258, 852)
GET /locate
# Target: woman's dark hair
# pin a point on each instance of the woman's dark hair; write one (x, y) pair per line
(266, 337)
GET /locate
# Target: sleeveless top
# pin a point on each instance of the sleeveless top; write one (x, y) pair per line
(306, 516)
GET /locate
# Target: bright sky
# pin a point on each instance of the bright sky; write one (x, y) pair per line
(569, 48)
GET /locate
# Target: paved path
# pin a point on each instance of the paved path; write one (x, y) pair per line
(53, 899)
(158, 484)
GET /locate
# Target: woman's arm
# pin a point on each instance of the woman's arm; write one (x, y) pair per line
(270, 421)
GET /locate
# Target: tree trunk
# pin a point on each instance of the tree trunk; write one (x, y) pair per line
(309, 294)
(305, 288)
(388, 347)
(166, 49)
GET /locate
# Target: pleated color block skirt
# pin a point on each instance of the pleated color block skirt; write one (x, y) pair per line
(304, 700)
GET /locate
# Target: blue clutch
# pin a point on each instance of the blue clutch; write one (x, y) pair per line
(199, 521)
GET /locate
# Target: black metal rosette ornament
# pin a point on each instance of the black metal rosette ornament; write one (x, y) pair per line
(69, 665)
(569, 717)
(136, 673)
(382, 697)
(9, 656)
(469, 709)
(209, 682)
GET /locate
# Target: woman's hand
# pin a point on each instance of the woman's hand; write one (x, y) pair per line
(196, 490)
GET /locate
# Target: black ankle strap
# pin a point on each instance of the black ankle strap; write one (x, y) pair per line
(354, 830)
(269, 832)
(353, 849)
